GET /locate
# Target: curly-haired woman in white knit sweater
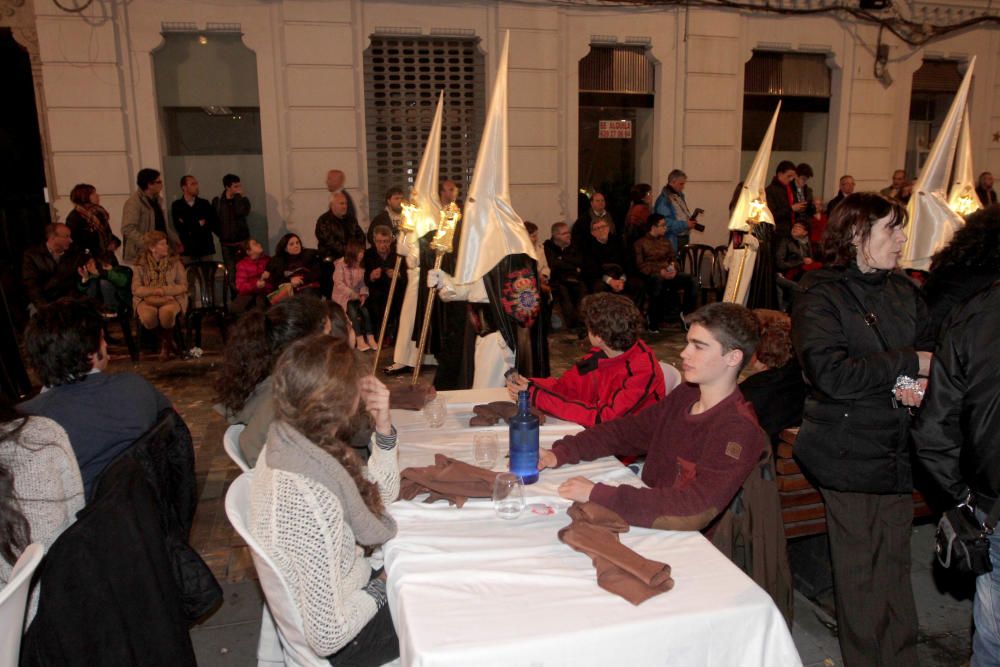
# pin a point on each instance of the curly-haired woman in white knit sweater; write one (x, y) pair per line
(316, 507)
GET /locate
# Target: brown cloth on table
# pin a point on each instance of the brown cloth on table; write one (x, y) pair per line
(447, 479)
(489, 414)
(410, 397)
(594, 532)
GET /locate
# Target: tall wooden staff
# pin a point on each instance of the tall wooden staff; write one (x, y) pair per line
(753, 219)
(406, 226)
(440, 244)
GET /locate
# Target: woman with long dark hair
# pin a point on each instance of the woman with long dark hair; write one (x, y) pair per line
(296, 266)
(860, 332)
(40, 486)
(970, 263)
(244, 384)
(316, 506)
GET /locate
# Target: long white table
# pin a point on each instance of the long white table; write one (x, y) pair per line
(468, 589)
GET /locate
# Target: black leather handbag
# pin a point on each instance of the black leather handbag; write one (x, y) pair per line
(962, 541)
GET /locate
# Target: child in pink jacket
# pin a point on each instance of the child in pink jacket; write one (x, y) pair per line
(350, 291)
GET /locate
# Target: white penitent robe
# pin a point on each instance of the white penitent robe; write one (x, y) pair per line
(405, 351)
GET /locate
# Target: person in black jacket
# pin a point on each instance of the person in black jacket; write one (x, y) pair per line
(846, 188)
(776, 390)
(295, 265)
(987, 196)
(781, 199)
(604, 260)
(195, 221)
(858, 327)
(333, 230)
(49, 271)
(379, 262)
(565, 264)
(956, 439)
(232, 209)
(968, 264)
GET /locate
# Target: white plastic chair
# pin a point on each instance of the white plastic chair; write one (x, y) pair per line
(14, 601)
(231, 443)
(671, 376)
(282, 639)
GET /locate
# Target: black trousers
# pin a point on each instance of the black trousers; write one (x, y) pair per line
(870, 552)
(664, 298)
(569, 294)
(375, 645)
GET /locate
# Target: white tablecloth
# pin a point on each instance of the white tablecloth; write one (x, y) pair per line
(468, 589)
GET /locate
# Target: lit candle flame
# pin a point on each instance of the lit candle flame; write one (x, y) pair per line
(965, 204)
(409, 220)
(444, 238)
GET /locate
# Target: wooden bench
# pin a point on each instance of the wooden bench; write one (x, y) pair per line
(802, 509)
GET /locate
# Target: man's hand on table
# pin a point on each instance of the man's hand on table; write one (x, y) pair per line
(376, 398)
(546, 459)
(576, 488)
(516, 383)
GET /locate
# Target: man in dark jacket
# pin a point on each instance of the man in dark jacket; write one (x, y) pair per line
(390, 216)
(232, 209)
(956, 439)
(803, 194)
(846, 188)
(604, 260)
(49, 271)
(565, 264)
(195, 221)
(333, 230)
(781, 199)
(379, 263)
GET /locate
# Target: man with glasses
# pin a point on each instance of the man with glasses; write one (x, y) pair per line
(143, 212)
(604, 260)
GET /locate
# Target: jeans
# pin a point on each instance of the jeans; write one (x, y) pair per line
(986, 609)
(360, 318)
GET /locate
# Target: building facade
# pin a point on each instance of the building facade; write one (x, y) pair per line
(102, 94)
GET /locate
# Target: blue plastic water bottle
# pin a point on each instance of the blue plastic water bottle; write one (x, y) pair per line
(524, 442)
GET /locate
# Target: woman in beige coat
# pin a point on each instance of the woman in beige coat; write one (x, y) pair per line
(159, 289)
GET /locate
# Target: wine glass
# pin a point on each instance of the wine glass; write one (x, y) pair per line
(484, 449)
(435, 412)
(508, 496)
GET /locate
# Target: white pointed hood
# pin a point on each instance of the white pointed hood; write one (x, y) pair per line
(962, 197)
(425, 188)
(932, 222)
(756, 180)
(491, 229)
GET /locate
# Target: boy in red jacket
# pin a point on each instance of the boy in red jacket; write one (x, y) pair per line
(253, 282)
(619, 376)
(700, 442)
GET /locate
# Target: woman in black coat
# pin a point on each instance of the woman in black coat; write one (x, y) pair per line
(296, 265)
(858, 328)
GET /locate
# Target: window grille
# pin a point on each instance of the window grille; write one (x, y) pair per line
(403, 76)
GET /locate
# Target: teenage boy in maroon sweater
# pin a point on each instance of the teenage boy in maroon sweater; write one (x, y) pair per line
(619, 376)
(700, 442)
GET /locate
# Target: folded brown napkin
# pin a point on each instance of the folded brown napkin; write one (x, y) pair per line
(447, 479)
(594, 532)
(489, 414)
(410, 396)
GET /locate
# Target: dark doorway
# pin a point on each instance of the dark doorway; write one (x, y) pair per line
(616, 123)
(23, 209)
